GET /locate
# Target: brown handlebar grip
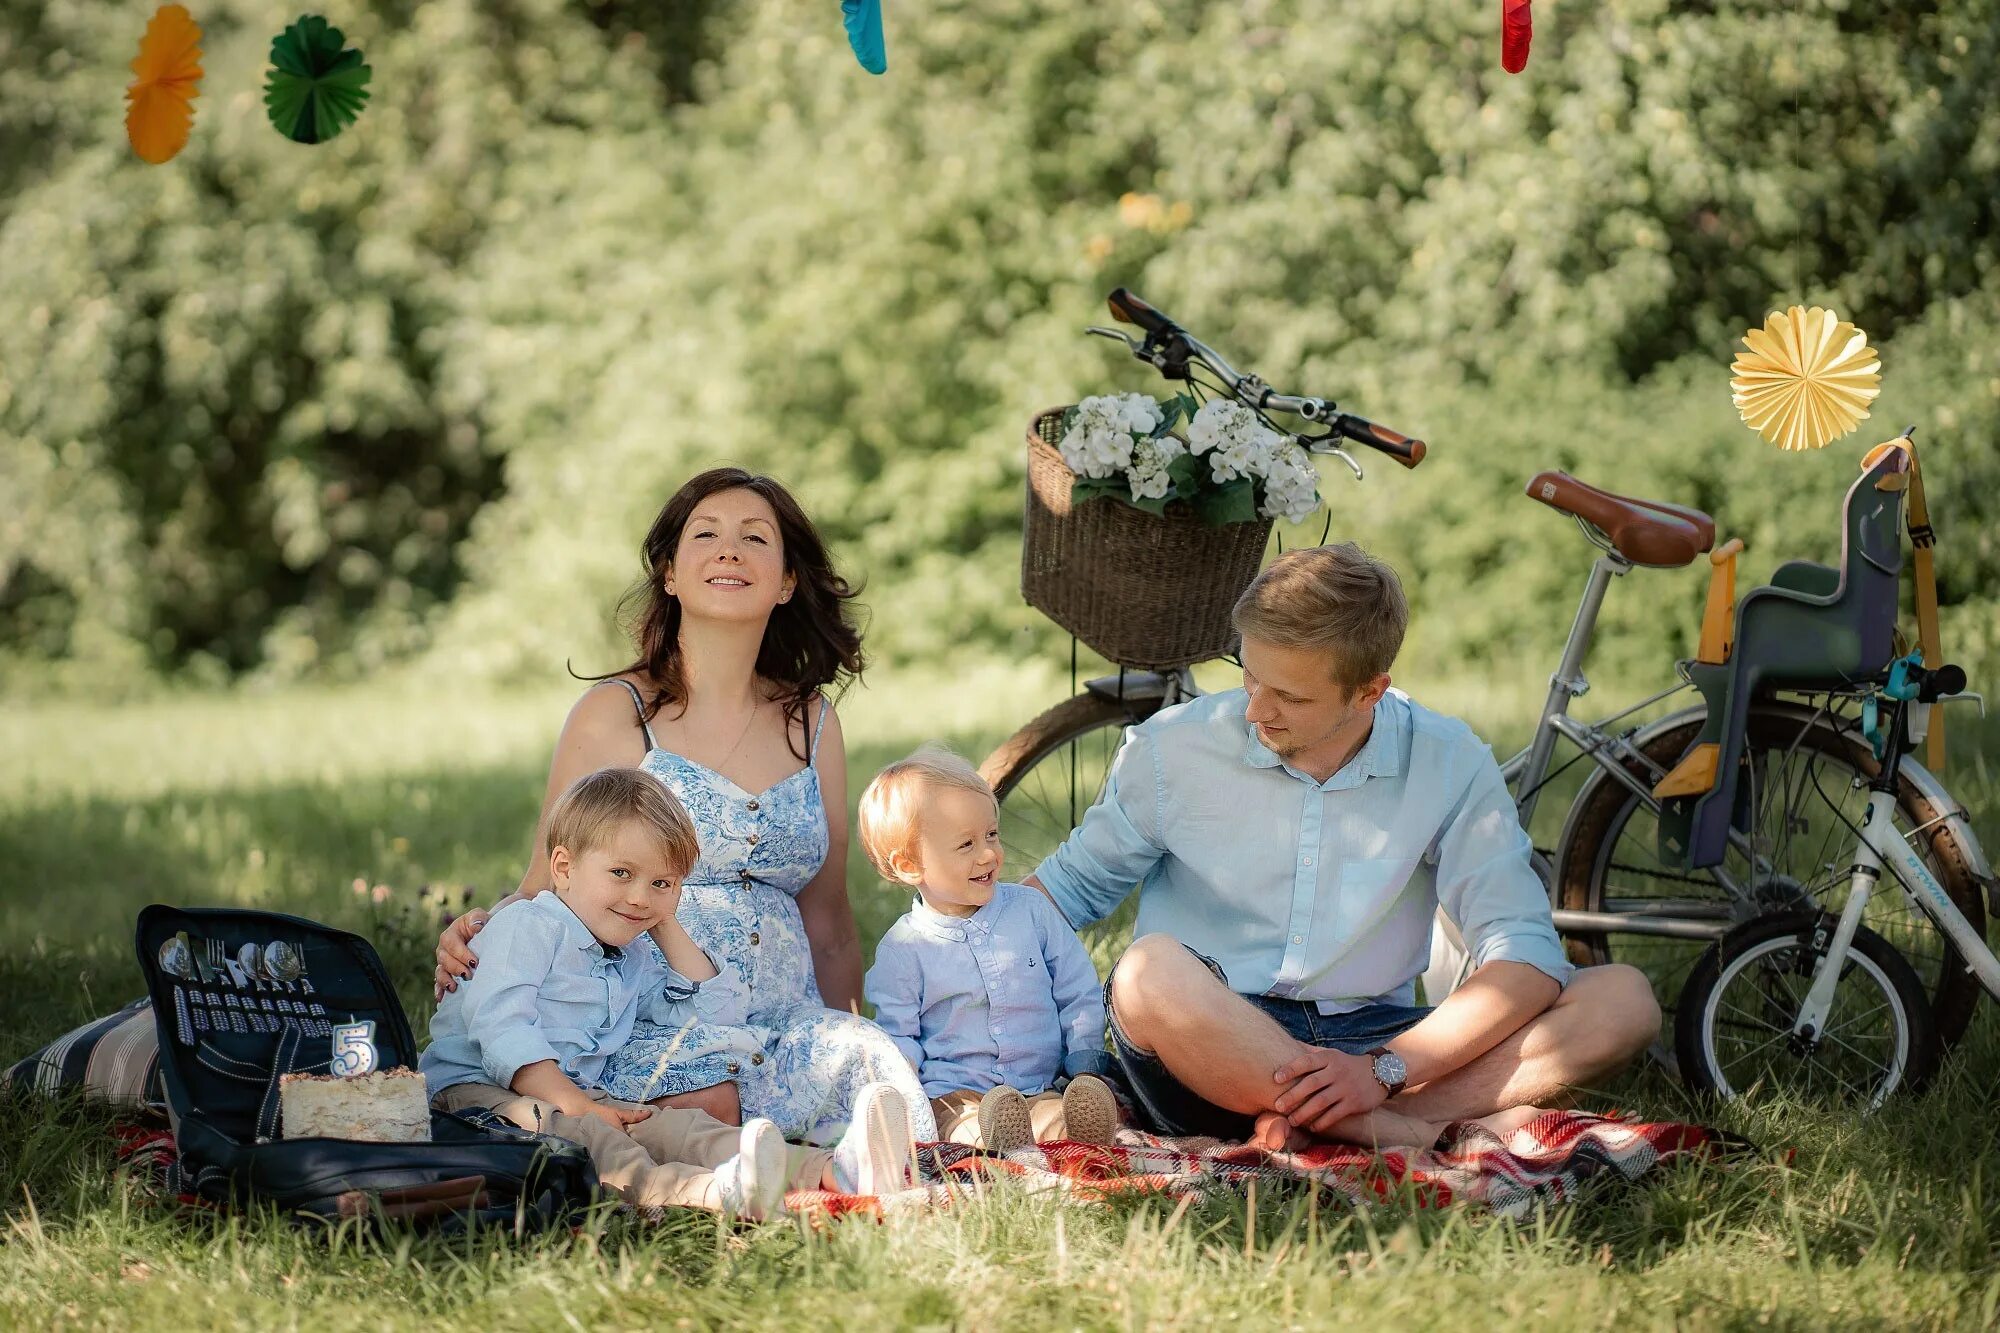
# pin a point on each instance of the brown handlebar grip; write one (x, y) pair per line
(1129, 309)
(1403, 448)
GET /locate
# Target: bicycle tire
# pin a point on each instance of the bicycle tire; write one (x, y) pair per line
(1606, 806)
(1786, 940)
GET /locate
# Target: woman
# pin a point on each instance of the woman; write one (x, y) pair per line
(745, 623)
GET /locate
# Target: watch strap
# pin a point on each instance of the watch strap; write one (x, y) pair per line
(1375, 1055)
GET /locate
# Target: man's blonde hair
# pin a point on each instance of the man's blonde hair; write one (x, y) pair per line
(891, 808)
(599, 803)
(1336, 598)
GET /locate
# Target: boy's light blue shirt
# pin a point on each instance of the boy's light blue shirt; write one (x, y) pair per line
(546, 989)
(1004, 996)
(1306, 890)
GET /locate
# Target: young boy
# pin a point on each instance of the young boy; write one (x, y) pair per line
(982, 984)
(557, 990)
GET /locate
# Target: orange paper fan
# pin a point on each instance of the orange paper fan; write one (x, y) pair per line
(1804, 379)
(168, 71)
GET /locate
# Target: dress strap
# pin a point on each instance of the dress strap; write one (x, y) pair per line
(639, 707)
(812, 751)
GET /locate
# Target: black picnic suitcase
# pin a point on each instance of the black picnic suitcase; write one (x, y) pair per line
(242, 998)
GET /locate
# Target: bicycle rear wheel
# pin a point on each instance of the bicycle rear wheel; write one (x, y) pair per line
(1809, 783)
(1052, 770)
(1047, 774)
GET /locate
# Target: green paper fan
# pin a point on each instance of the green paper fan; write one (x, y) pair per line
(315, 88)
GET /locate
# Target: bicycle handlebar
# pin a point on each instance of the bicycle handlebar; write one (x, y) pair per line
(1169, 348)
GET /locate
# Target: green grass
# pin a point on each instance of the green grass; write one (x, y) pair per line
(284, 801)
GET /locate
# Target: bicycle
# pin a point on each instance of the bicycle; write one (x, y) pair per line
(1790, 999)
(1604, 876)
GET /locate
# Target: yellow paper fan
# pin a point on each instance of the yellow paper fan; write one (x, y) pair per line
(1806, 379)
(168, 71)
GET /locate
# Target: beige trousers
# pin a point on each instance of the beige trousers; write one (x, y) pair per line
(958, 1117)
(666, 1160)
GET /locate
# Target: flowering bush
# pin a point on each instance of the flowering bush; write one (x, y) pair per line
(1227, 464)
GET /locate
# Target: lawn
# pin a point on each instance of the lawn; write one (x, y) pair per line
(288, 800)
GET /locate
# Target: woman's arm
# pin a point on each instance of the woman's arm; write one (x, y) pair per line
(829, 918)
(602, 731)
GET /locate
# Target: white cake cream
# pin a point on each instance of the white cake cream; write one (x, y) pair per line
(386, 1106)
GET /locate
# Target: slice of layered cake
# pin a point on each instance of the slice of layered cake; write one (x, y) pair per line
(387, 1106)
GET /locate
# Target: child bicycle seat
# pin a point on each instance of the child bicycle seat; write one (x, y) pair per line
(1813, 627)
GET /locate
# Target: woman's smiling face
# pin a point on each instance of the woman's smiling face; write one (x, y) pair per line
(730, 562)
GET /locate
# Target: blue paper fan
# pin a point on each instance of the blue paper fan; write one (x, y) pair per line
(864, 33)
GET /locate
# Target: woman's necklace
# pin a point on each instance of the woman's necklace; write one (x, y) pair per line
(747, 722)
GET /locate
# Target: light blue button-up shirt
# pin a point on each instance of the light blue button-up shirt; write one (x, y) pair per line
(1004, 996)
(1305, 890)
(546, 989)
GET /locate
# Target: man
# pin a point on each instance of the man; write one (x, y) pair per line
(1292, 842)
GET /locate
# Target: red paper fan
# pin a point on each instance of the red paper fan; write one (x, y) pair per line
(1517, 29)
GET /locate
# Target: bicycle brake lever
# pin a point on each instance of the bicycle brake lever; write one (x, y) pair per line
(1346, 458)
(1963, 696)
(1133, 345)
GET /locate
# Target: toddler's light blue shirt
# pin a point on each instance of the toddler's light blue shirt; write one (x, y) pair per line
(546, 989)
(1004, 996)
(1306, 890)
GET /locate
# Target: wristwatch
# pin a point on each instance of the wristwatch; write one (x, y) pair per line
(1389, 1069)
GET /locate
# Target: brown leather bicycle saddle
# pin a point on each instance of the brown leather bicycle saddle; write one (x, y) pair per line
(1646, 532)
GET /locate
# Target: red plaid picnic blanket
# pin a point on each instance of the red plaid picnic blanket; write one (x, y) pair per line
(1549, 1159)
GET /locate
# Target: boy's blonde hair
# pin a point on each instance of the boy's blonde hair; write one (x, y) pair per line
(1336, 598)
(598, 803)
(888, 818)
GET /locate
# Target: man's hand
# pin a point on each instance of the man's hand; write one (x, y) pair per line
(618, 1117)
(454, 951)
(1326, 1087)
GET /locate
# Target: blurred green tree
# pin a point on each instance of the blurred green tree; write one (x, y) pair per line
(289, 411)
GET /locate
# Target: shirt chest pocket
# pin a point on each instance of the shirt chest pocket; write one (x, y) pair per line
(580, 995)
(1368, 888)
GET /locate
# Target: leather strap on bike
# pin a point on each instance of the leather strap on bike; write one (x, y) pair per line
(1923, 538)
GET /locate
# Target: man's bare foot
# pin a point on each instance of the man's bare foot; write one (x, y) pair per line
(1384, 1128)
(1274, 1133)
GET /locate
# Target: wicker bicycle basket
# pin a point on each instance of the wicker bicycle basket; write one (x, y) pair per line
(1144, 591)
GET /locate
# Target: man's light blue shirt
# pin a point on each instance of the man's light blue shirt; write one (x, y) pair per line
(1307, 890)
(1004, 996)
(546, 989)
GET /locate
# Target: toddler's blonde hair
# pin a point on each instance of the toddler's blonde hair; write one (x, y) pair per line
(597, 803)
(890, 809)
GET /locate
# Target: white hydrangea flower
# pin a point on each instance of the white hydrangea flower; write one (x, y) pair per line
(1245, 453)
(1100, 439)
(1152, 485)
(1291, 485)
(1135, 413)
(1147, 474)
(1219, 421)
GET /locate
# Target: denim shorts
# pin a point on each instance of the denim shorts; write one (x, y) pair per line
(1170, 1108)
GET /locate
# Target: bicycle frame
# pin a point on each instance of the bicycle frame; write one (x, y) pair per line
(1527, 771)
(1880, 846)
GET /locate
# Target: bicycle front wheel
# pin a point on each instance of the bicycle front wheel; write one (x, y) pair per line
(1809, 794)
(1733, 1034)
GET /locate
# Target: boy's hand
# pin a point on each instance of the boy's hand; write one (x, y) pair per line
(618, 1117)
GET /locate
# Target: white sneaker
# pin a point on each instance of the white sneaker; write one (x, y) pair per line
(753, 1181)
(874, 1155)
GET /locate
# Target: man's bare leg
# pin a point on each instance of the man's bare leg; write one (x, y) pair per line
(1602, 1019)
(1216, 1043)
(1224, 1049)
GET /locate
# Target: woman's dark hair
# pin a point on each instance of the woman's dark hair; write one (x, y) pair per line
(811, 641)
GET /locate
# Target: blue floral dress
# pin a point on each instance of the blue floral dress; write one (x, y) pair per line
(795, 1062)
